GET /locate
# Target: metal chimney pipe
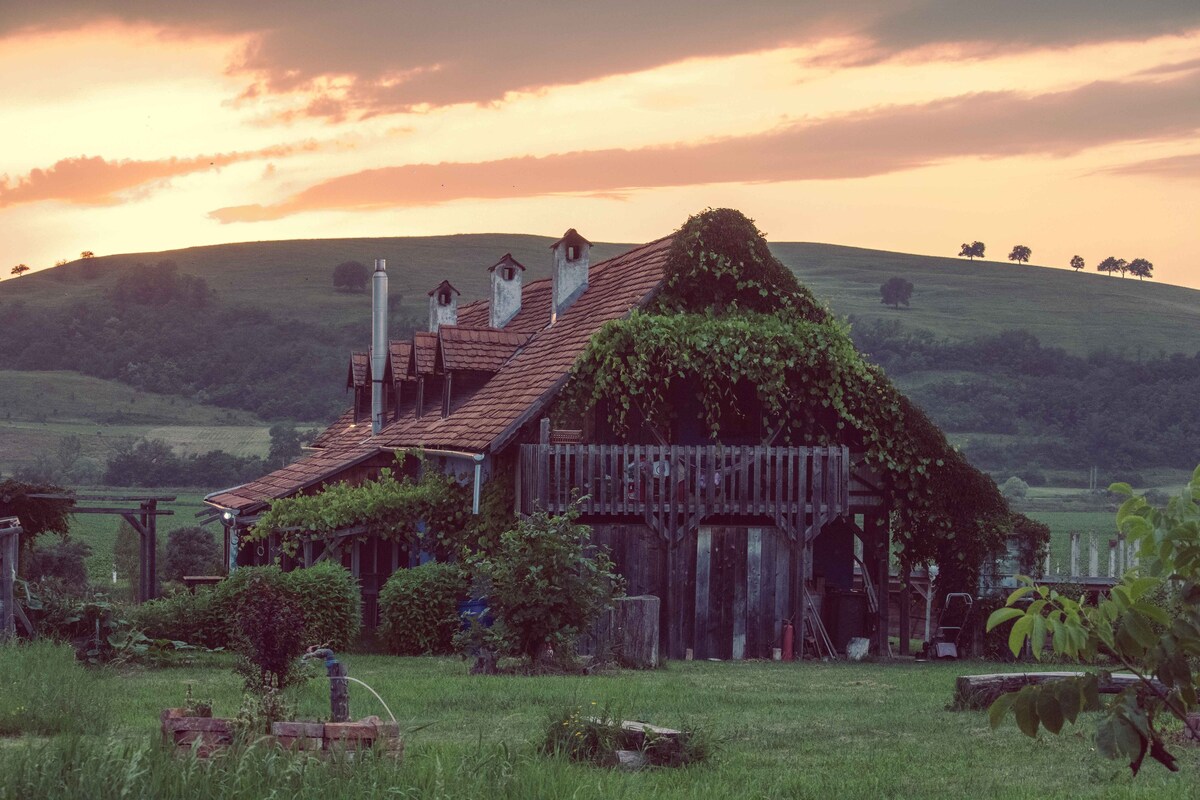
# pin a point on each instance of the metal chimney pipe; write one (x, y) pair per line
(379, 342)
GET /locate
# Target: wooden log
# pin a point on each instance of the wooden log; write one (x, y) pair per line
(628, 632)
(980, 691)
(339, 692)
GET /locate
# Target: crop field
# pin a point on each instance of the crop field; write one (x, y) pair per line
(1062, 523)
(819, 730)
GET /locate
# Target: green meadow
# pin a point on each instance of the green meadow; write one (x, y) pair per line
(819, 730)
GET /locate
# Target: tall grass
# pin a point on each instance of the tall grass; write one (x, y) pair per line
(44, 691)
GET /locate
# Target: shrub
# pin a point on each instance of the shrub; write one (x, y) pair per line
(190, 551)
(194, 618)
(326, 595)
(1014, 487)
(268, 619)
(541, 586)
(418, 609)
(62, 561)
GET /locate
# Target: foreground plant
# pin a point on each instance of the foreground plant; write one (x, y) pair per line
(1134, 626)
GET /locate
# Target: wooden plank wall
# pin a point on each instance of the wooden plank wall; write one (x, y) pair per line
(726, 589)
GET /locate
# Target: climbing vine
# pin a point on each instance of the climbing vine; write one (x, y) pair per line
(434, 509)
(726, 319)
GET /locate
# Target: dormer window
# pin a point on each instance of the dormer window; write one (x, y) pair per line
(572, 253)
(444, 297)
(508, 273)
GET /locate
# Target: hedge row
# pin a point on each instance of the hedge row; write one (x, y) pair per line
(328, 597)
(418, 609)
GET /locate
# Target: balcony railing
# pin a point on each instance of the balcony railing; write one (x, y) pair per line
(674, 487)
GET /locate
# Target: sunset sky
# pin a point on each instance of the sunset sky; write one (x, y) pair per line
(1066, 125)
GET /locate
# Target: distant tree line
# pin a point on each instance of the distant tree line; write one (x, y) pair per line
(1139, 267)
(1105, 409)
(166, 332)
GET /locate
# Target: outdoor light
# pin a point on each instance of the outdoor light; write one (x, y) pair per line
(228, 516)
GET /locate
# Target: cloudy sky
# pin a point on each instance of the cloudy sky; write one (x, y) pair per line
(1066, 125)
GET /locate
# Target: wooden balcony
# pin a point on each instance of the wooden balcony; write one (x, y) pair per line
(674, 487)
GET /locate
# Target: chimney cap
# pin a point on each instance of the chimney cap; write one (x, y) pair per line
(572, 236)
(507, 261)
(441, 286)
(381, 265)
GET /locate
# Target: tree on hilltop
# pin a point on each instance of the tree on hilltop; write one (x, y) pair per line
(19, 268)
(1020, 254)
(896, 291)
(87, 254)
(351, 276)
(973, 250)
(1141, 268)
(1113, 264)
(1077, 263)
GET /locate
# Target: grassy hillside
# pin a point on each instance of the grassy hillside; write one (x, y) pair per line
(953, 297)
(958, 298)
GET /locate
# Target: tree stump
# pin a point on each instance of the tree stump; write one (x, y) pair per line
(628, 632)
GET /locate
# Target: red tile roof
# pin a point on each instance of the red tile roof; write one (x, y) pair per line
(424, 352)
(479, 349)
(520, 390)
(400, 354)
(360, 370)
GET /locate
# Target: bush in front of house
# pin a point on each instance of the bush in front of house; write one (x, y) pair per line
(418, 609)
(190, 551)
(326, 595)
(192, 617)
(542, 588)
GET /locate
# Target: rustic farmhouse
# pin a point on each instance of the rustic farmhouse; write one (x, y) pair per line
(735, 536)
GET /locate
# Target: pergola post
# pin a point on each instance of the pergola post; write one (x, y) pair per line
(10, 537)
(881, 542)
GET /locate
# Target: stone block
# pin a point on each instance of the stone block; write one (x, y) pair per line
(298, 729)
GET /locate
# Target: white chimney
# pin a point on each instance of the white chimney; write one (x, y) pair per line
(443, 306)
(506, 291)
(379, 342)
(570, 274)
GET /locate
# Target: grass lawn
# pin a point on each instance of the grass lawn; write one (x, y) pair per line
(783, 730)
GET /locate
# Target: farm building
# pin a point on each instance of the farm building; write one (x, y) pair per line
(735, 533)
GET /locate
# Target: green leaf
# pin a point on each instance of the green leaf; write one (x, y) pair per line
(1016, 637)
(1048, 709)
(1121, 488)
(1025, 710)
(1000, 708)
(1069, 698)
(1017, 594)
(1002, 615)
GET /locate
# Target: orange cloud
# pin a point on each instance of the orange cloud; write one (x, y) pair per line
(96, 181)
(380, 56)
(1185, 166)
(985, 125)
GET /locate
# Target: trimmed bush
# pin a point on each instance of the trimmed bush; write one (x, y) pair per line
(418, 609)
(183, 616)
(326, 595)
(190, 551)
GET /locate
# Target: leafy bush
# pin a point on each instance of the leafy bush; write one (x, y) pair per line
(1013, 488)
(268, 620)
(541, 586)
(62, 561)
(418, 609)
(330, 602)
(190, 551)
(194, 618)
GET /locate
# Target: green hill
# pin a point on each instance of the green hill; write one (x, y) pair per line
(953, 297)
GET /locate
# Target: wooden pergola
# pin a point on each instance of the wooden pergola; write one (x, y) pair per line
(142, 519)
(10, 538)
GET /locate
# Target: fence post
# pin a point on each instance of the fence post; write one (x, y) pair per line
(10, 536)
(1093, 556)
(1074, 562)
(1112, 558)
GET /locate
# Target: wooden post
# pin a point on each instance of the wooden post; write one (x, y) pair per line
(1093, 556)
(1112, 558)
(339, 692)
(880, 540)
(10, 537)
(905, 608)
(1074, 562)
(543, 457)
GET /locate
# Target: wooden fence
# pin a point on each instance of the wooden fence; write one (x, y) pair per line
(674, 487)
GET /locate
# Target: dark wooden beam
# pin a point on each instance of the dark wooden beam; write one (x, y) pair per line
(160, 512)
